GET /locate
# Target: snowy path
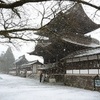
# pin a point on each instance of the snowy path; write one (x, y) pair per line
(16, 88)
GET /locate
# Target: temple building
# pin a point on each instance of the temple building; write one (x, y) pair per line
(67, 51)
(66, 34)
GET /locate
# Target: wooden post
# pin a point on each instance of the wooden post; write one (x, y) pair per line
(79, 62)
(98, 62)
(72, 65)
(88, 63)
(16, 70)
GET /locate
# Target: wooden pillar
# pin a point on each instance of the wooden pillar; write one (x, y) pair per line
(79, 62)
(66, 66)
(16, 70)
(98, 63)
(88, 63)
(72, 65)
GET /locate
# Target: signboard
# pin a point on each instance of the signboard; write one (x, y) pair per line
(97, 83)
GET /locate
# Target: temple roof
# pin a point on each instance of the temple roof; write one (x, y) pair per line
(56, 50)
(62, 46)
(85, 52)
(66, 35)
(72, 21)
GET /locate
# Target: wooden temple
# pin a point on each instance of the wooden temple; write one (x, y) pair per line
(66, 34)
(68, 51)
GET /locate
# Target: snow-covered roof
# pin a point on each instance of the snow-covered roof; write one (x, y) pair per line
(91, 44)
(31, 63)
(73, 21)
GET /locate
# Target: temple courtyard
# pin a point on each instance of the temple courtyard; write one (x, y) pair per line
(17, 88)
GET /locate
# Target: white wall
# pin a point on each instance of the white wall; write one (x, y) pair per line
(90, 71)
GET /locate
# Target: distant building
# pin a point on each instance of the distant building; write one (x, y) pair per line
(24, 67)
(31, 68)
(21, 60)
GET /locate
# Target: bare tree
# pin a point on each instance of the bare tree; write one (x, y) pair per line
(15, 22)
(18, 3)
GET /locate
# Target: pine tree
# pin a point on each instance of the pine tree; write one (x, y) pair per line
(7, 61)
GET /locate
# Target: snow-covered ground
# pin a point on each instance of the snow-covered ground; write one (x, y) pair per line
(16, 88)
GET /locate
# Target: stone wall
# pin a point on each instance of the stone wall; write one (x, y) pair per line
(80, 81)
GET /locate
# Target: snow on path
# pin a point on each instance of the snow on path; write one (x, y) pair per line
(16, 88)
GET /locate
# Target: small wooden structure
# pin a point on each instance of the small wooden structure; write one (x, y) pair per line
(21, 60)
(30, 68)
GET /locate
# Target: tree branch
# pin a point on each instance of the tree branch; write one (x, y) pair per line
(21, 2)
(18, 3)
(5, 32)
(86, 3)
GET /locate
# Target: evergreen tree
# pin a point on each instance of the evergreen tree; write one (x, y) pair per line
(6, 61)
